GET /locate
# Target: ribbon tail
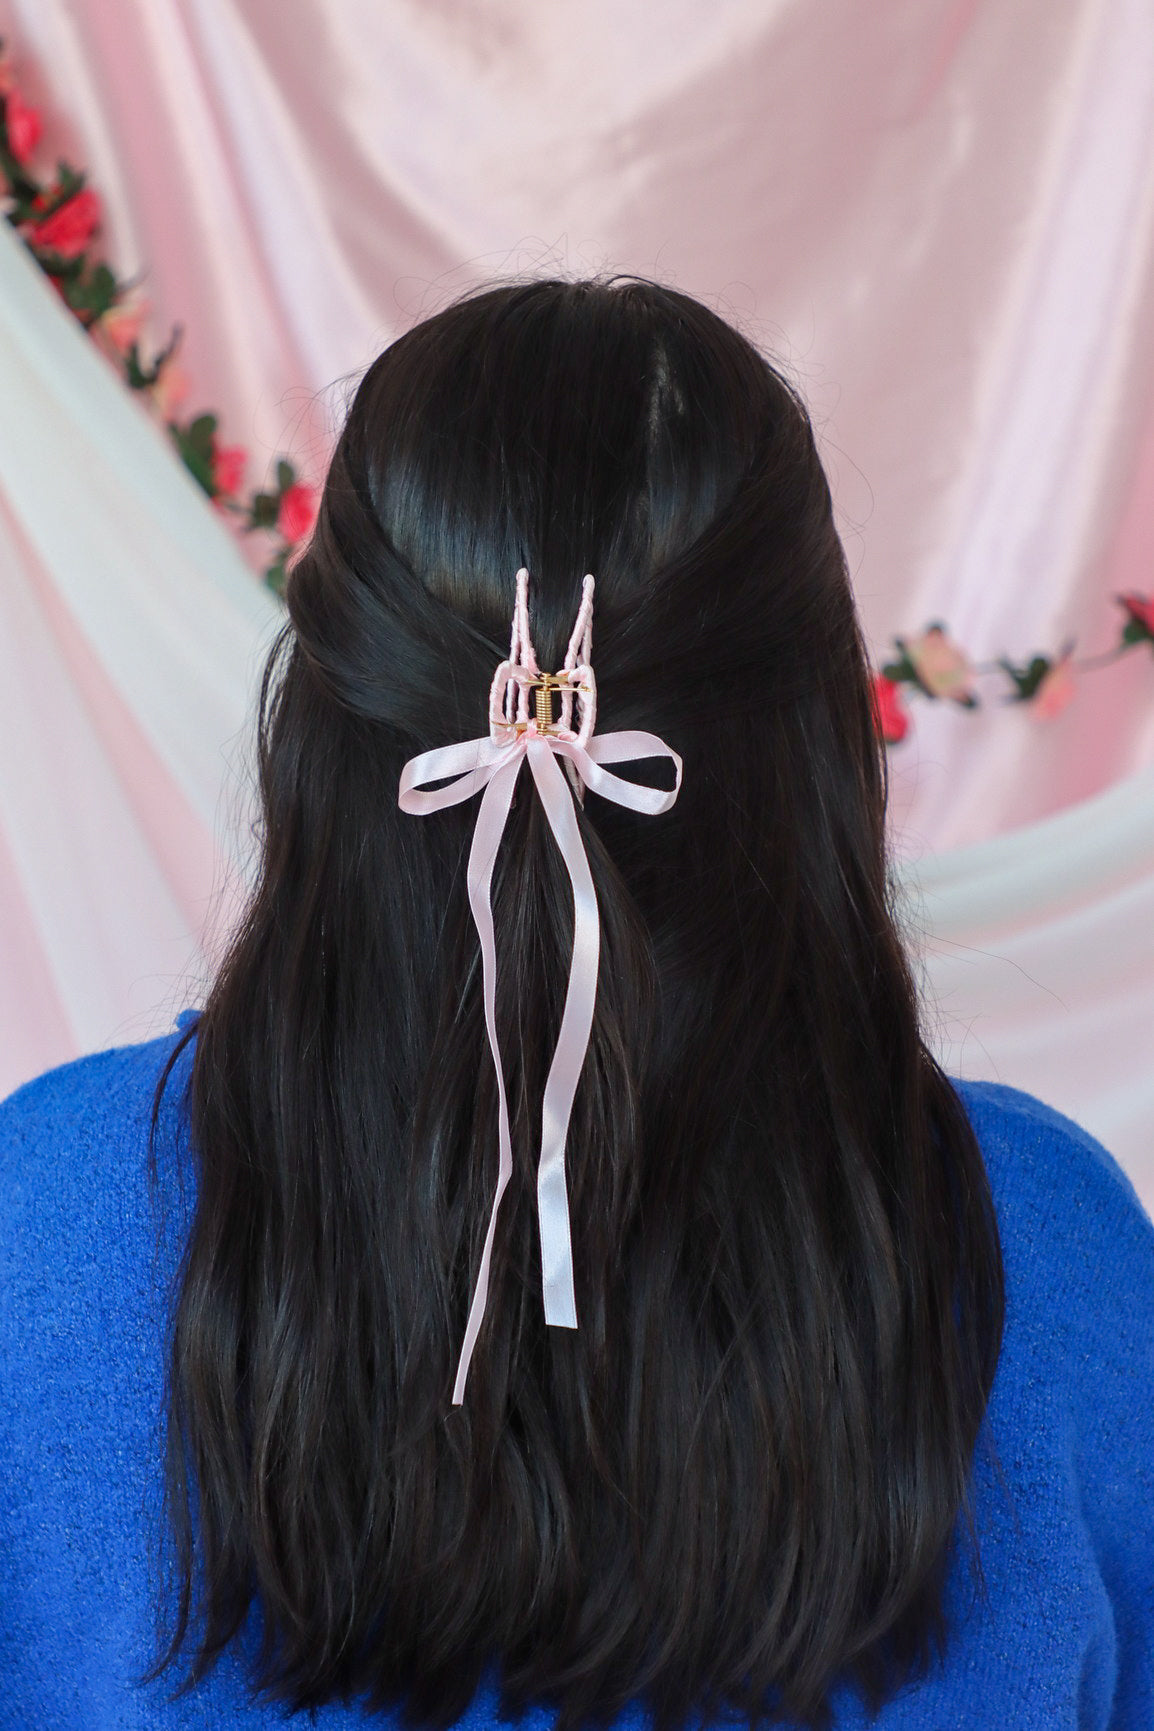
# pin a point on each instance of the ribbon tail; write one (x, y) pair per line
(572, 1042)
(487, 835)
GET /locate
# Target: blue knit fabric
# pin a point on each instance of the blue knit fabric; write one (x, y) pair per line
(1067, 1541)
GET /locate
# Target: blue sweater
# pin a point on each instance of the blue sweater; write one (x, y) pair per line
(1067, 1543)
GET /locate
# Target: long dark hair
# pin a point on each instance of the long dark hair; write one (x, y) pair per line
(741, 1477)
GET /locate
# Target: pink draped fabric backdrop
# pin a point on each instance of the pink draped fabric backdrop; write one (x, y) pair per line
(938, 215)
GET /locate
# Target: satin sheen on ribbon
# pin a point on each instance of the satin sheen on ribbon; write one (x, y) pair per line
(494, 765)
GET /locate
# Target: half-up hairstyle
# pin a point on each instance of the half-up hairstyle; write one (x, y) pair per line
(740, 1480)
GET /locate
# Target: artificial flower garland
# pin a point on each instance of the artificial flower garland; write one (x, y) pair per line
(59, 221)
(937, 667)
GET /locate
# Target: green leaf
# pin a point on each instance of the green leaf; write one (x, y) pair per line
(1028, 677)
(285, 475)
(74, 294)
(138, 375)
(276, 575)
(203, 431)
(104, 282)
(93, 294)
(901, 671)
(138, 379)
(1135, 632)
(69, 181)
(63, 269)
(264, 510)
(196, 457)
(1034, 674)
(169, 348)
(13, 174)
(24, 191)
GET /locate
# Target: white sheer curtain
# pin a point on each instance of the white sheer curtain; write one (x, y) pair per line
(130, 639)
(938, 216)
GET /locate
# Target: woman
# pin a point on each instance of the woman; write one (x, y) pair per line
(787, 1383)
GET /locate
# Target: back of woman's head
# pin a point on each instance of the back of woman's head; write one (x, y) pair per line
(740, 1476)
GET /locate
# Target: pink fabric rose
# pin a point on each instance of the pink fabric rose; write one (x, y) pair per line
(890, 717)
(229, 463)
(942, 668)
(169, 389)
(68, 231)
(23, 127)
(1056, 688)
(119, 326)
(298, 512)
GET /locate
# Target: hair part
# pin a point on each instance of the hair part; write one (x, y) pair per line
(740, 1479)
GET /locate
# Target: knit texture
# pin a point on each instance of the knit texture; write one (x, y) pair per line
(1066, 1530)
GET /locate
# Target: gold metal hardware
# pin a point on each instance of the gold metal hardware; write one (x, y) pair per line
(542, 688)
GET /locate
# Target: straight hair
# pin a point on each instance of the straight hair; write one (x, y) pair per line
(740, 1481)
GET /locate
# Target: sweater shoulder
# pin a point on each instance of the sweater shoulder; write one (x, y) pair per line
(101, 1081)
(74, 1142)
(1066, 1208)
(1020, 1134)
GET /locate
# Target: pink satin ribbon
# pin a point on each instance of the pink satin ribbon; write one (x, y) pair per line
(494, 764)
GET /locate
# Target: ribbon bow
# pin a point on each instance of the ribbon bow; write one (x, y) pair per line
(494, 764)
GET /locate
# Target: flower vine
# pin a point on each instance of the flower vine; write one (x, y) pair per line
(938, 668)
(58, 218)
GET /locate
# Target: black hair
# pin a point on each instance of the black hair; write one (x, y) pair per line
(740, 1480)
